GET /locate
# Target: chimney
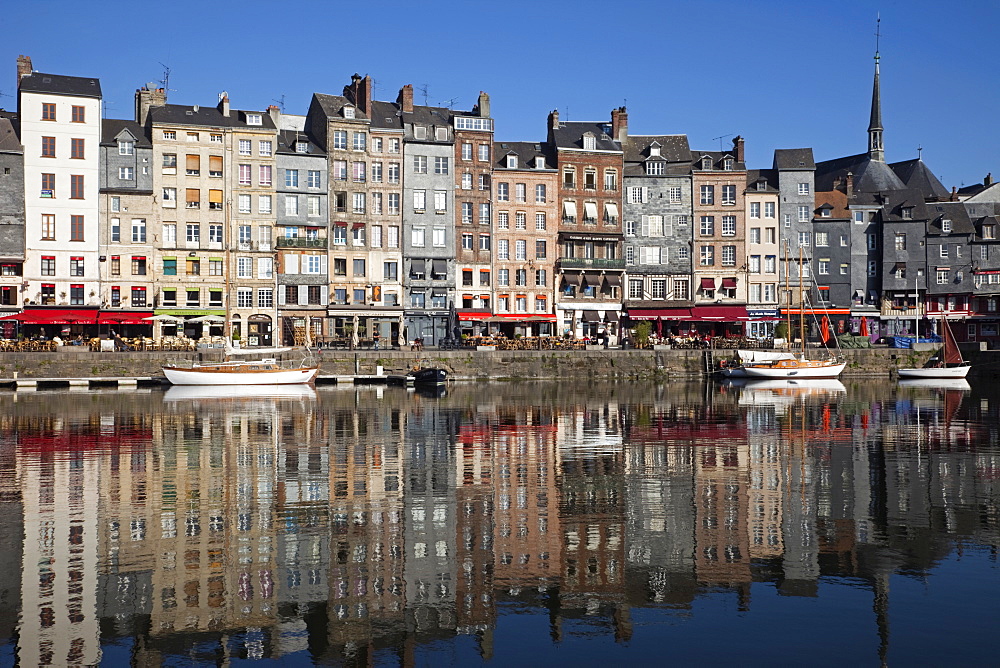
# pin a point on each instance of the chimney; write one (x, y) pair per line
(483, 105)
(23, 67)
(738, 149)
(954, 194)
(988, 181)
(619, 124)
(850, 185)
(145, 98)
(224, 104)
(405, 99)
(274, 111)
(359, 92)
(837, 183)
(554, 119)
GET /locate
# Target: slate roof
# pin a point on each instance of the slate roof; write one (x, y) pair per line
(9, 141)
(288, 138)
(869, 175)
(986, 220)
(333, 104)
(769, 176)
(112, 127)
(569, 134)
(386, 115)
(526, 153)
(915, 174)
(894, 201)
(60, 84)
(961, 222)
(794, 158)
(673, 148)
(716, 157)
(179, 114)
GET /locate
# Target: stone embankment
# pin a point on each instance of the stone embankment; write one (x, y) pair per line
(469, 364)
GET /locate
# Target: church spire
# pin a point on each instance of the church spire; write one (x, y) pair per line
(875, 148)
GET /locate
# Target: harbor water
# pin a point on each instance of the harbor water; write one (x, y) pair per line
(519, 523)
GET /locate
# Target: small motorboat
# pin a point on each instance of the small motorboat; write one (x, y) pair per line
(949, 365)
(428, 376)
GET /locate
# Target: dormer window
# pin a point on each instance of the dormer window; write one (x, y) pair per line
(824, 213)
(727, 164)
(441, 134)
(348, 111)
(254, 119)
(301, 147)
(419, 132)
(989, 232)
(654, 149)
(945, 223)
(511, 162)
(761, 184)
(908, 215)
(655, 168)
(589, 142)
(126, 147)
(706, 163)
(540, 162)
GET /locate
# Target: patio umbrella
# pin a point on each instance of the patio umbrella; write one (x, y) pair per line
(354, 333)
(207, 321)
(863, 330)
(401, 334)
(824, 329)
(163, 317)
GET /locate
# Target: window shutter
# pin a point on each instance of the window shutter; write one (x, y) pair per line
(291, 264)
(324, 265)
(281, 295)
(324, 292)
(193, 162)
(215, 196)
(645, 194)
(193, 195)
(644, 227)
(303, 295)
(215, 163)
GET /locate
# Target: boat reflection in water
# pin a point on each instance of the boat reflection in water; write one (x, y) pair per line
(497, 522)
(210, 392)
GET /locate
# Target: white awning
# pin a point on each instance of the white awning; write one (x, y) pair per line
(590, 210)
(569, 209)
(611, 210)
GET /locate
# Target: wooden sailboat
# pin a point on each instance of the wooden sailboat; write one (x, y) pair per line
(265, 371)
(797, 367)
(949, 365)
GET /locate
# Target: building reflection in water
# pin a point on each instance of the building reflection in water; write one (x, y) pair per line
(358, 524)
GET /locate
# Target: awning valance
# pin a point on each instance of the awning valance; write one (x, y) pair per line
(592, 280)
(417, 267)
(569, 209)
(57, 316)
(719, 313)
(659, 314)
(708, 284)
(728, 283)
(590, 210)
(613, 280)
(572, 279)
(611, 210)
(439, 266)
(590, 316)
(124, 318)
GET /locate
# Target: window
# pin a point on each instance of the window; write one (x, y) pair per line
(48, 147)
(138, 265)
(265, 297)
(989, 232)
(655, 168)
(215, 200)
(193, 233)
(754, 265)
(339, 170)
(243, 203)
(844, 269)
(126, 173)
(215, 233)
(48, 185)
(439, 237)
(503, 249)
(264, 176)
(942, 276)
(755, 209)
(503, 220)
(519, 192)
(872, 242)
(49, 111)
(245, 147)
(804, 239)
(484, 153)
(540, 221)
(394, 144)
(908, 215)
(943, 250)
(708, 195)
(707, 228)
(649, 255)
(76, 149)
(803, 214)
(520, 250)
(48, 267)
(419, 200)
(484, 213)
(291, 205)
(945, 223)
(540, 193)
(358, 202)
(48, 227)
(76, 228)
(393, 172)
(769, 209)
(729, 226)
(466, 181)
(872, 268)
(417, 237)
(313, 176)
(291, 177)
(503, 192)
(900, 241)
(729, 194)
(313, 205)
(264, 148)
(823, 266)
(138, 230)
(484, 243)
(360, 141)
(467, 241)
(420, 164)
(729, 256)
(440, 165)
(822, 239)
(358, 171)
(441, 205)
(484, 182)
(76, 186)
(393, 207)
(803, 188)
(770, 264)
(707, 256)
(254, 119)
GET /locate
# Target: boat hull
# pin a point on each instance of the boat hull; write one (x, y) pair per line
(802, 370)
(429, 376)
(237, 376)
(936, 372)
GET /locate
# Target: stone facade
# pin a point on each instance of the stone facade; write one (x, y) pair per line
(11, 217)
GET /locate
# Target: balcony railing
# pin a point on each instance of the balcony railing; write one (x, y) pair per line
(298, 242)
(591, 263)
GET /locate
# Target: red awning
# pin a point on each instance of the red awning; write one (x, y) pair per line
(513, 317)
(474, 315)
(729, 284)
(55, 316)
(124, 318)
(708, 284)
(659, 314)
(719, 313)
(817, 311)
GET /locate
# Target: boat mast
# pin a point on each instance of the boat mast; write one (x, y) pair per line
(788, 299)
(802, 309)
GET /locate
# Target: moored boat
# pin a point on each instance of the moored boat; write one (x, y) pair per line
(949, 365)
(795, 368)
(744, 357)
(265, 371)
(428, 376)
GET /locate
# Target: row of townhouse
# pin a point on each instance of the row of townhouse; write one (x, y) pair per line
(412, 221)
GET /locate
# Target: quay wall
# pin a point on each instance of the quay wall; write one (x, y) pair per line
(469, 364)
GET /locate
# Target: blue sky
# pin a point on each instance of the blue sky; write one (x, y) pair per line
(782, 74)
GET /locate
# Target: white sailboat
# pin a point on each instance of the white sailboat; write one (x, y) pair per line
(949, 365)
(795, 367)
(264, 371)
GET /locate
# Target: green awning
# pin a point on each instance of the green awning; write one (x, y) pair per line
(190, 311)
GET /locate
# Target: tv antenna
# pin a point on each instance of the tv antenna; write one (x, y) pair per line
(281, 102)
(423, 91)
(720, 138)
(165, 81)
(448, 103)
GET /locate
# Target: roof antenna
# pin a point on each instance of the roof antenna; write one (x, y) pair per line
(450, 103)
(720, 138)
(281, 102)
(165, 81)
(423, 90)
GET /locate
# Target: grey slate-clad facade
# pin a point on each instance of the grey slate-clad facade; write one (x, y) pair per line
(657, 227)
(11, 215)
(905, 265)
(796, 185)
(949, 249)
(831, 236)
(428, 232)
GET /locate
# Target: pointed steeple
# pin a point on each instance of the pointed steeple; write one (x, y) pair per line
(875, 148)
